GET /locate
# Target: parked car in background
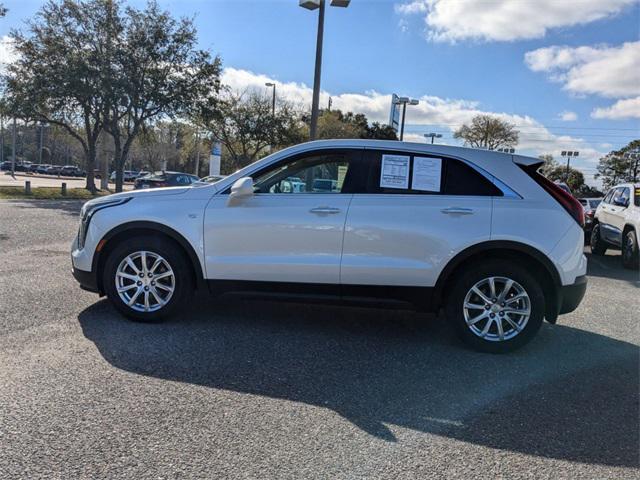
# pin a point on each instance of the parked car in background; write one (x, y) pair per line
(616, 224)
(42, 168)
(23, 167)
(127, 176)
(53, 170)
(590, 205)
(564, 187)
(420, 225)
(71, 171)
(165, 179)
(5, 166)
(212, 178)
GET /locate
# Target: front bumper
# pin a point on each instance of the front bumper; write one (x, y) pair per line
(570, 296)
(87, 280)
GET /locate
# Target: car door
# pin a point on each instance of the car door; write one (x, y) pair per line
(288, 231)
(418, 211)
(613, 221)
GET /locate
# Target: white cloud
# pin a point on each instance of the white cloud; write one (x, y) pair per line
(505, 20)
(444, 115)
(607, 71)
(628, 108)
(7, 53)
(568, 116)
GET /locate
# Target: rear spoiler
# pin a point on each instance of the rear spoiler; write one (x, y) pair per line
(528, 162)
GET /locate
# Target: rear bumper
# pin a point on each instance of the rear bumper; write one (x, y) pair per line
(87, 280)
(572, 295)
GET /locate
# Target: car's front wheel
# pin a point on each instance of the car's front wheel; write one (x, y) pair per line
(496, 306)
(630, 254)
(147, 279)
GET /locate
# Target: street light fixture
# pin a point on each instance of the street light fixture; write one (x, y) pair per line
(404, 101)
(506, 150)
(273, 97)
(432, 135)
(312, 5)
(568, 154)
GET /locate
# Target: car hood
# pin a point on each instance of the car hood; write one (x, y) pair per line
(151, 192)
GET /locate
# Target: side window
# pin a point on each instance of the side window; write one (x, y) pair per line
(461, 179)
(607, 198)
(616, 195)
(623, 198)
(332, 172)
(456, 177)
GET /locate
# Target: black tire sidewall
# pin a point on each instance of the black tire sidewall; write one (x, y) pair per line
(172, 253)
(495, 268)
(598, 247)
(632, 261)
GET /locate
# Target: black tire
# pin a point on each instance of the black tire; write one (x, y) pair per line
(175, 257)
(630, 255)
(476, 273)
(598, 245)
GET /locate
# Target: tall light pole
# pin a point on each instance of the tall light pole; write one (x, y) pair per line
(568, 155)
(432, 135)
(404, 101)
(273, 97)
(312, 5)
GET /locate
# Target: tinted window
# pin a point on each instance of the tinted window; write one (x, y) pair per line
(607, 198)
(623, 196)
(594, 203)
(457, 178)
(461, 179)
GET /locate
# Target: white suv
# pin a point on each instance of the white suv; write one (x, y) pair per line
(617, 223)
(476, 232)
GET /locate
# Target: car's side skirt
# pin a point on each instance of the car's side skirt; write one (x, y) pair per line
(382, 296)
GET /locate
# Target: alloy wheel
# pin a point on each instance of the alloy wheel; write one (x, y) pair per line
(145, 281)
(497, 309)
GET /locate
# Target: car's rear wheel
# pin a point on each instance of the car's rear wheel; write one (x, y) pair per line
(496, 306)
(630, 255)
(598, 245)
(147, 279)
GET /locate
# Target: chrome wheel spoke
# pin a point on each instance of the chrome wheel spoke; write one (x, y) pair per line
(143, 261)
(134, 297)
(473, 306)
(157, 297)
(500, 328)
(164, 287)
(492, 287)
(132, 265)
(509, 301)
(506, 290)
(475, 320)
(486, 328)
(160, 276)
(126, 288)
(524, 311)
(146, 301)
(155, 265)
(513, 324)
(478, 292)
(127, 276)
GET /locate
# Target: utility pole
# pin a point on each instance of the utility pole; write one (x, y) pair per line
(41, 143)
(312, 5)
(273, 97)
(568, 155)
(1, 138)
(13, 149)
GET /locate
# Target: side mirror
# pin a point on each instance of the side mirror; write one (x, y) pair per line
(241, 189)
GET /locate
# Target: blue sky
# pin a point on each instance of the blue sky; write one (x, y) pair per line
(527, 60)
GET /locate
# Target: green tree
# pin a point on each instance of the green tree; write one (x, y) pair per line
(248, 129)
(57, 77)
(488, 132)
(336, 124)
(153, 68)
(620, 166)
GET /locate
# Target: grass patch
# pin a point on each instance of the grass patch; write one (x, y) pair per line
(49, 193)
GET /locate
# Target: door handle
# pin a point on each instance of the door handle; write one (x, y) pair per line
(457, 211)
(324, 210)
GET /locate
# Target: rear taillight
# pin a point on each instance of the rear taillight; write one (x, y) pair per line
(568, 201)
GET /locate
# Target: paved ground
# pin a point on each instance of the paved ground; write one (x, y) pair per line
(6, 180)
(238, 389)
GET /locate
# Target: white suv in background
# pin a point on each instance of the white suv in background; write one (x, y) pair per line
(617, 224)
(479, 233)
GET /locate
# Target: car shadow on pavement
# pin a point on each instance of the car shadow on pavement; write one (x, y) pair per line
(570, 394)
(610, 266)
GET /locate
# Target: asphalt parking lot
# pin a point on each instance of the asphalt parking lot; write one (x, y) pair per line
(249, 389)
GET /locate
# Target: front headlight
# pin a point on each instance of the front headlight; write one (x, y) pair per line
(89, 209)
